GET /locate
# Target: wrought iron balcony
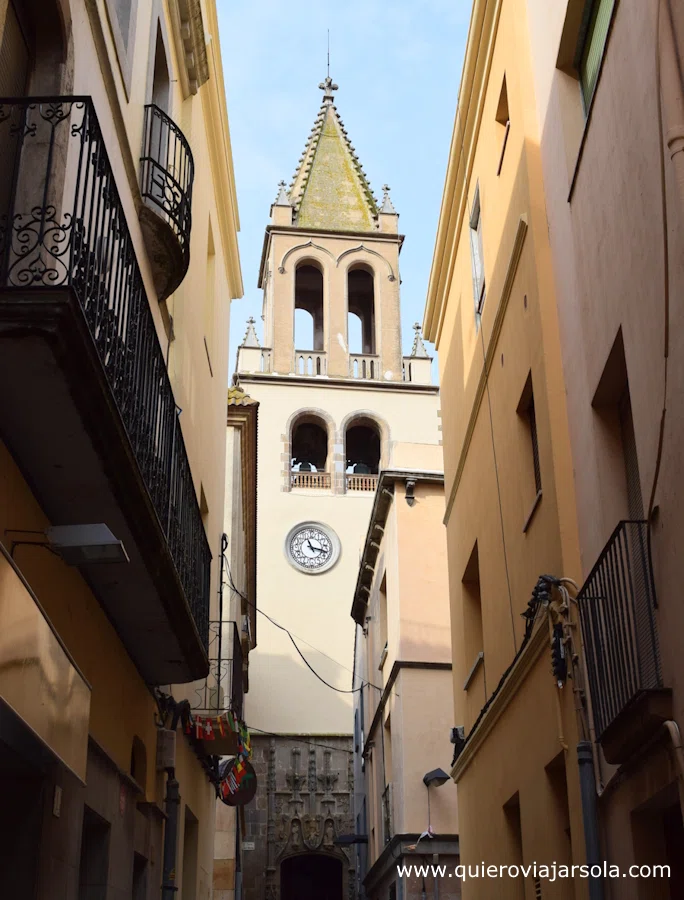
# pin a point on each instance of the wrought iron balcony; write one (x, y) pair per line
(617, 614)
(222, 689)
(167, 172)
(91, 419)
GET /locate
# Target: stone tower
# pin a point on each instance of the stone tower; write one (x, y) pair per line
(336, 406)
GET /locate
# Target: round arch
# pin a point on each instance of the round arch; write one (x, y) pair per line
(361, 292)
(314, 417)
(47, 25)
(369, 458)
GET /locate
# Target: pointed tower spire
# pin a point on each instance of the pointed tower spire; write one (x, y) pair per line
(330, 190)
(387, 205)
(250, 339)
(282, 199)
(418, 350)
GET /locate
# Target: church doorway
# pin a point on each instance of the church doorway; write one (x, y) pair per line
(311, 876)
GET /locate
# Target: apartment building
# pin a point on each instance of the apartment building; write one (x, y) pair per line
(118, 261)
(509, 487)
(563, 208)
(405, 807)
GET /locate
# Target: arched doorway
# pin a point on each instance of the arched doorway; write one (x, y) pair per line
(311, 876)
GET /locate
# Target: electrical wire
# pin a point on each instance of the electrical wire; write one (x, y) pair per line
(231, 585)
(297, 740)
(498, 492)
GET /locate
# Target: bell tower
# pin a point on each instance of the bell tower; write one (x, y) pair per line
(336, 406)
(331, 250)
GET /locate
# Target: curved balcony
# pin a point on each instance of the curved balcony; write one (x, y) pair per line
(167, 171)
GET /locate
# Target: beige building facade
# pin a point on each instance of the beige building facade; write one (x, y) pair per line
(337, 402)
(405, 804)
(238, 618)
(616, 215)
(564, 372)
(509, 481)
(117, 195)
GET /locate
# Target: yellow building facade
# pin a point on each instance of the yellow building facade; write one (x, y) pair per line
(118, 235)
(510, 505)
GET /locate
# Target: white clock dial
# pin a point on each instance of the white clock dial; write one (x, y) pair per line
(312, 547)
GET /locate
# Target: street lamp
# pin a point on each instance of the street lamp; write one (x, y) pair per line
(435, 778)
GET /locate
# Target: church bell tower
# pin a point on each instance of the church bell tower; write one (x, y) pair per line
(338, 403)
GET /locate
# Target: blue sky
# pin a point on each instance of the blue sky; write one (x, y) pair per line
(397, 64)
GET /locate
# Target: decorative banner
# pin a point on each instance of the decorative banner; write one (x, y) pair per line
(238, 782)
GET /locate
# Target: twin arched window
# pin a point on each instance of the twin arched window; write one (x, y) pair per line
(309, 317)
(312, 459)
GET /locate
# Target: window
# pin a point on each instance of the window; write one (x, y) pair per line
(382, 603)
(560, 821)
(210, 298)
(504, 120)
(597, 16)
(139, 889)
(122, 19)
(362, 446)
(309, 300)
(511, 811)
(94, 865)
(472, 621)
(476, 253)
(361, 316)
(528, 416)
(309, 453)
(309, 446)
(138, 768)
(618, 460)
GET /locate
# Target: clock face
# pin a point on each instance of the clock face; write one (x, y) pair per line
(312, 547)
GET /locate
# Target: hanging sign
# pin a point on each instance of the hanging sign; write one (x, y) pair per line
(238, 782)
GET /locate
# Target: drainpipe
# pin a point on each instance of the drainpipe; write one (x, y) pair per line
(171, 803)
(590, 817)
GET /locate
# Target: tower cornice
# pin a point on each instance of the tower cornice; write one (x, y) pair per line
(378, 237)
(396, 387)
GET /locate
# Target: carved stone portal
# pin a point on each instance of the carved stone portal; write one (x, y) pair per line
(303, 803)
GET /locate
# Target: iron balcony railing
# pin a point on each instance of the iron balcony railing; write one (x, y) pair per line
(616, 606)
(167, 172)
(62, 224)
(223, 688)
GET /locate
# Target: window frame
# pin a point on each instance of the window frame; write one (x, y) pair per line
(477, 252)
(124, 43)
(590, 17)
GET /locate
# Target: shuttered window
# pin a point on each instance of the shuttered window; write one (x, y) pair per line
(594, 43)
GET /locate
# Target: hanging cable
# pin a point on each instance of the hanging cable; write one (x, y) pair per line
(296, 646)
(297, 740)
